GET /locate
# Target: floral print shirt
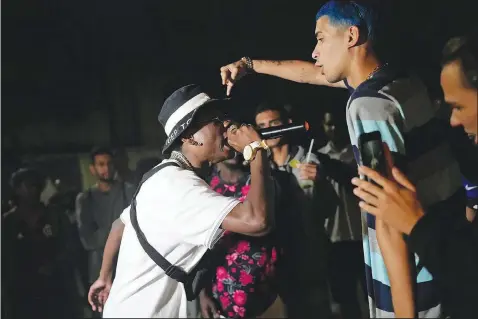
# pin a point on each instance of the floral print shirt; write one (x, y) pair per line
(244, 285)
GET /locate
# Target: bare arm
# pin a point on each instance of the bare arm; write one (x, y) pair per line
(254, 217)
(293, 70)
(111, 249)
(100, 289)
(395, 255)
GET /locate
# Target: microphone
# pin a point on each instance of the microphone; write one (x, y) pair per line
(278, 131)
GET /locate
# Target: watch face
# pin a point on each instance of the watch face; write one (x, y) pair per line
(247, 152)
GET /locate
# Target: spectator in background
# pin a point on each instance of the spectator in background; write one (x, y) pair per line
(99, 206)
(37, 269)
(307, 294)
(343, 224)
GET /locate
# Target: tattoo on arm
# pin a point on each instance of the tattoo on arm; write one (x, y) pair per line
(276, 62)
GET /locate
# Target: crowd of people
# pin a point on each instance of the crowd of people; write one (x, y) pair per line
(231, 225)
(53, 249)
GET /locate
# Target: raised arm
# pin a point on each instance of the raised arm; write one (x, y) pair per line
(254, 216)
(293, 70)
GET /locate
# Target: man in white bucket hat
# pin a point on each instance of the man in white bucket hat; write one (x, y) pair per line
(178, 214)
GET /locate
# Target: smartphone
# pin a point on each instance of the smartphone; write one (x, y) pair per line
(372, 152)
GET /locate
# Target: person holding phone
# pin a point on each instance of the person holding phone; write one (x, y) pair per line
(447, 246)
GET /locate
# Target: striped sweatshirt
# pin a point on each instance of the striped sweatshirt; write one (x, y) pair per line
(399, 107)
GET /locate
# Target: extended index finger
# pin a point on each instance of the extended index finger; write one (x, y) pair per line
(91, 292)
(229, 87)
(224, 75)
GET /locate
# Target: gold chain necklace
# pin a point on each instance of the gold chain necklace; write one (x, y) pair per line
(377, 68)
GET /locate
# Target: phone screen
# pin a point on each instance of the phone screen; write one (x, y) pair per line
(373, 155)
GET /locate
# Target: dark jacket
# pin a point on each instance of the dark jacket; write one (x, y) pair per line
(447, 245)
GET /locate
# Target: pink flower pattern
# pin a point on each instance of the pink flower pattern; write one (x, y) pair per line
(214, 182)
(248, 269)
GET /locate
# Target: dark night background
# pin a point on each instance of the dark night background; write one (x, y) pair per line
(66, 61)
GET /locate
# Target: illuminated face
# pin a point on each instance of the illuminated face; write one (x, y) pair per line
(462, 98)
(331, 51)
(103, 167)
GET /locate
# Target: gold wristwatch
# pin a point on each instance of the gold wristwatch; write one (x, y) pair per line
(250, 150)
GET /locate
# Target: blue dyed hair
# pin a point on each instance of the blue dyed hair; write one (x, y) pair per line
(349, 13)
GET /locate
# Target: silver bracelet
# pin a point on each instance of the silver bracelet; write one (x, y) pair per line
(248, 61)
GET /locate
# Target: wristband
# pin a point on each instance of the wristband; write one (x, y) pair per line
(248, 61)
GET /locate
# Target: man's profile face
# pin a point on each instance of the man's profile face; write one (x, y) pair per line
(463, 99)
(331, 51)
(210, 130)
(103, 167)
(267, 119)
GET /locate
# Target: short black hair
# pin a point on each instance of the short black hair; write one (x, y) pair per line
(100, 150)
(28, 174)
(273, 106)
(464, 50)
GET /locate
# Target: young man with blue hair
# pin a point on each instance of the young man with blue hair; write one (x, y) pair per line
(398, 106)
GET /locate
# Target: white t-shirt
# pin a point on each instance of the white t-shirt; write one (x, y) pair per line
(180, 216)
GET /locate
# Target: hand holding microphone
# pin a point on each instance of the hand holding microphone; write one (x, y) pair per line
(241, 135)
